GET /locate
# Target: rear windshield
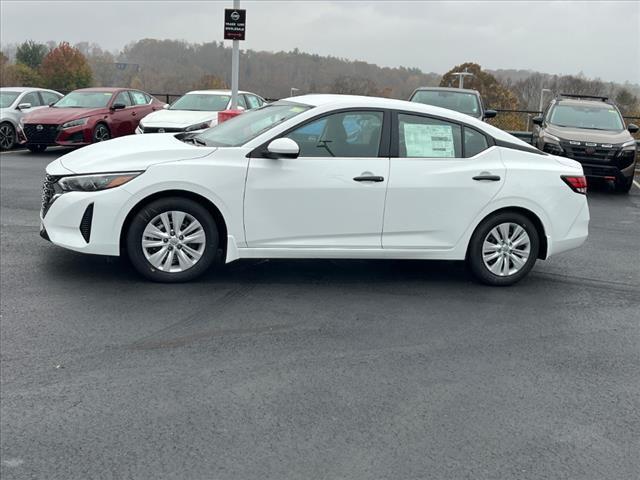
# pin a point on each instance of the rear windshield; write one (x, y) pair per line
(84, 100)
(7, 98)
(201, 102)
(589, 117)
(462, 102)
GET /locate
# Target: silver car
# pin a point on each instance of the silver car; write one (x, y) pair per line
(16, 102)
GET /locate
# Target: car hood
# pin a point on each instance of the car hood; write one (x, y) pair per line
(133, 152)
(60, 115)
(588, 135)
(178, 118)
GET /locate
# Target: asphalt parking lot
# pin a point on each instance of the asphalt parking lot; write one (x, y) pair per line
(317, 369)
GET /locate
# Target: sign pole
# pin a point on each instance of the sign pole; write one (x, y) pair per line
(235, 65)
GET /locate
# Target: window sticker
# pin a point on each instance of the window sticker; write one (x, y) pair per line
(434, 141)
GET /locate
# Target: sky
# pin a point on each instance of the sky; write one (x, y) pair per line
(599, 39)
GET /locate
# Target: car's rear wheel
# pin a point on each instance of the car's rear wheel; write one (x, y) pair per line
(503, 249)
(624, 185)
(101, 133)
(172, 240)
(36, 148)
(7, 136)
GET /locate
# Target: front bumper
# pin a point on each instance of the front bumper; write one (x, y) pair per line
(53, 135)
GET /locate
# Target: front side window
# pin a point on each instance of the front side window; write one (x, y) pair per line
(31, 98)
(346, 134)
(7, 98)
(201, 102)
(474, 142)
(586, 116)
(84, 100)
(462, 102)
(123, 98)
(139, 98)
(424, 137)
(244, 128)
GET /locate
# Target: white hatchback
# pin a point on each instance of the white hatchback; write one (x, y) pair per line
(196, 111)
(320, 176)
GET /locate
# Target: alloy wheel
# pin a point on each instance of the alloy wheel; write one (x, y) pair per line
(506, 249)
(7, 136)
(173, 241)
(102, 133)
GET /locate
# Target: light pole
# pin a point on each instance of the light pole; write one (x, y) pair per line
(542, 98)
(293, 91)
(461, 76)
(235, 65)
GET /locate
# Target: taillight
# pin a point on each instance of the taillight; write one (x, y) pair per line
(577, 184)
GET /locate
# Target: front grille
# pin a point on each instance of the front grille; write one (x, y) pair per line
(48, 192)
(46, 135)
(85, 223)
(164, 130)
(584, 153)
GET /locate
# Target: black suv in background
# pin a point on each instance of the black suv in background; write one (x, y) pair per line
(461, 100)
(590, 130)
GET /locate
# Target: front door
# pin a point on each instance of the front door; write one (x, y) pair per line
(331, 196)
(443, 175)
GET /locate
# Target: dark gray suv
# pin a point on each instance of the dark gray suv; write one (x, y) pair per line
(459, 99)
(591, 131)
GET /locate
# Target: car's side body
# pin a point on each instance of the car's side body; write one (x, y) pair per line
(26, 100)
(307, 207)
(120, 115)
(175, 120)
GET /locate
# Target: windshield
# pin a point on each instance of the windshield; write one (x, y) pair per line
(7, 98)
(201, 102)
(247, 126)
(84, 100)
(583, 116)
(462, 102)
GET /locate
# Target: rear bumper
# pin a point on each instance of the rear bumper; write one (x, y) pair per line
(575, 236)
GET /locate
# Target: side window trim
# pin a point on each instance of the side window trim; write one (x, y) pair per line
(385, 136)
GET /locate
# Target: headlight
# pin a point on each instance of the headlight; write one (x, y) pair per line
(75, 123)
(630, 145)
(92, 183)
(548, 138)
(199, 126)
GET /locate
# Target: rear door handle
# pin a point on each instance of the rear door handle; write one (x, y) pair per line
(491, 178)
(369, 178)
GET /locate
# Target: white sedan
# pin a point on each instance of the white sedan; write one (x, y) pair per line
(196, 111)
(320, 176)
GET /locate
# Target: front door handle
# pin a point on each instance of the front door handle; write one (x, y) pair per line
(369, 178)
(491, 178)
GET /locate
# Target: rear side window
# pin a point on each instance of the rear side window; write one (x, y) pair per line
(252, 101)
(424, 137)
(123, 98)
(50, 97)
(474, 142)
(139, 98)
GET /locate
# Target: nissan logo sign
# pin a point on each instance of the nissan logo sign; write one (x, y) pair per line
(39, 128)
(161, 130)
(235, 16)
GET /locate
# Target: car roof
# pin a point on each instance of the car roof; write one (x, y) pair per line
(332, 101)
(24, 89)
(449, 89)
(584, 102)
(103, 89)
(216, 92)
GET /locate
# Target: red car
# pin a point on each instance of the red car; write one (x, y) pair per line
(86, 116)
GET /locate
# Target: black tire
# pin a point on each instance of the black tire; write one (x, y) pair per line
(101, 133)
(7, 136)
(147, 214)
(624, 185)
(475, 259)
(36, 148)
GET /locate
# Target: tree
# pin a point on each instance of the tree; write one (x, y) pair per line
(65, 68)
(19, 75)
(208, 81)
(31, 54)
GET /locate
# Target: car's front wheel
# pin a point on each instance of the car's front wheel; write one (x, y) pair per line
(172, 240)
(101, 133)
(7, 136)
(503, 249)
(624, 184)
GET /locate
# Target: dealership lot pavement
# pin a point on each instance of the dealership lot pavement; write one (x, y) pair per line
(317, 369)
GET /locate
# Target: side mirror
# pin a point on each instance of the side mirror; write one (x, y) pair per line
(283, 148)
(118, 106)
(166, 106)
(632, 128)
(490, 113)
(24, 106)
(538, 120)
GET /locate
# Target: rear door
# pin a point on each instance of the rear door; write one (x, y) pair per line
(442, 174)
(141, 105)
(332, 195)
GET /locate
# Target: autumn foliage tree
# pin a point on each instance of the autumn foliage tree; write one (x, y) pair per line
(65, 68)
